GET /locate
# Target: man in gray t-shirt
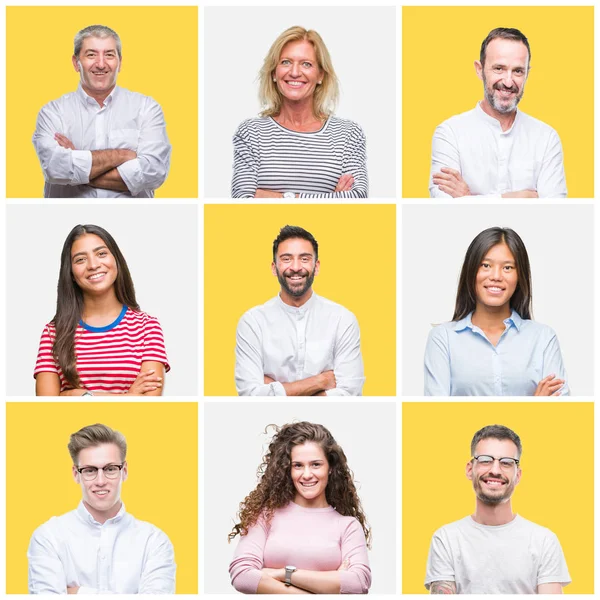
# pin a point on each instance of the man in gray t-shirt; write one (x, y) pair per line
(495, 551)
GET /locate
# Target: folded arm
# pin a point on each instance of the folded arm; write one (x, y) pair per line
(438, 381)
(551, 181)
(158, 573)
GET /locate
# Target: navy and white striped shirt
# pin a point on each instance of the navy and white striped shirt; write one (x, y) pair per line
(270, 157)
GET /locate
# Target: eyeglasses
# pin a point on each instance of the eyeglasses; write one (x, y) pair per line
(487, 461)
(110, 472)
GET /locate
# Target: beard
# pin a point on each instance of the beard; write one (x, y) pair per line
(502, 495)
(296, 290)
(507, 106)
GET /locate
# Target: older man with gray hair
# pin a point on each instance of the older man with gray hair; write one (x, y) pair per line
(101, 141)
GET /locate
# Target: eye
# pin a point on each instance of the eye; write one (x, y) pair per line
(485, 265)
(88, 471)
(305, 259)
(507, 463)
(286, 259)
(102, 253)
(508, 267)
(497, 69)
(111, 469)
(79, 260)
(306, 64)
(285, 61)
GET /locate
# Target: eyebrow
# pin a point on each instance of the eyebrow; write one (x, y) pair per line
(290, 254)
(84, 253)
(506, 262)
(94, 467)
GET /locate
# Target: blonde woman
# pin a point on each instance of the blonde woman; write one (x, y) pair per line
(297, 148)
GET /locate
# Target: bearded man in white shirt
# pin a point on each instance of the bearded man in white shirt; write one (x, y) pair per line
(98, 548)
(298, 343)
(101, 141)
(495, 551)
(495, 149)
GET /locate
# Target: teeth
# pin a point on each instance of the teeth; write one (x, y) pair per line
(295, 83)
(96, 276)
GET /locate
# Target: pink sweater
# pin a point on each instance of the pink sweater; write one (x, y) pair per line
(316, 539)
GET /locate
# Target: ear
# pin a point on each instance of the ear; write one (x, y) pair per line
(469, 470)
(75, 474)
(124, 475)
(273, 269)
(120, 63)
(518, 476)
(479, 69)
(75, 63)
(317, 267)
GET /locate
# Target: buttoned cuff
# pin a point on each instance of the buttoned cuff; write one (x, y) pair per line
(131, 174)
(82, 166)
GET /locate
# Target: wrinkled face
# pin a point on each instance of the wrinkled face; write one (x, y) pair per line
(98, 65)
(497, 277)
(295, 266)
(297, 73)
(93, 266)
(310, 473)
(102, 495)
(504, 74)
(494, 484)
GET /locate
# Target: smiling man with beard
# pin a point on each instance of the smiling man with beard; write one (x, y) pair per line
(495, 149)
(101, 141)
(495, 551)
(298, 343)
(98, 548)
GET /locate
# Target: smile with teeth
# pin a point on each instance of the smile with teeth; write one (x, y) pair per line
(295, 83)
(494, 482)
(101, 493)
(96, 276)
(308, 484)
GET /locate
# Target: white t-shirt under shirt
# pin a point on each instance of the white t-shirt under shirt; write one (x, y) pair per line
(502, 559)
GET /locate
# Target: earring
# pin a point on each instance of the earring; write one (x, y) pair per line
(319, 83)
(274, 80)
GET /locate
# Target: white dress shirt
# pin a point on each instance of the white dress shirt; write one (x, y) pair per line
(528, 156)
(289, 344)
(461, 361)
(127, 120)
(121, 556)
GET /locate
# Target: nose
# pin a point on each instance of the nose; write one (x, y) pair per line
(508, 79)
(496, 272)
(295, 71)
(100, 478)
(100, 60)
(306, 474)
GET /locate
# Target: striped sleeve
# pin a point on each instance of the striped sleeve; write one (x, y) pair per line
(154, 343)
(45, 362)
(245, 164)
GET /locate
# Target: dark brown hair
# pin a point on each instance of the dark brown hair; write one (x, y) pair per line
(505, 33)
(276, 489)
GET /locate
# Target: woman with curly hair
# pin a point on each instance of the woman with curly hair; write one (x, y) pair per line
(302, 529)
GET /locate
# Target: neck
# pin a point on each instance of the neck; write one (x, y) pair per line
(493, 514)
(101, 516)
(99, 97)
(296, 301)
(506, 119)
(105, 305)
(318, 502)
(297, 115)
(490, 317)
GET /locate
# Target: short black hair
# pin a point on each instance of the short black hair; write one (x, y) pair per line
(292, 231)
(505, 33)
(496, 432)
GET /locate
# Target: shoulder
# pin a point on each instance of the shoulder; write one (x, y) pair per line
(535, 125)
(255, 125)
(458, 121)
(334, 309)
(149, 531)
(453, 529)
(345, 124)
(53, 528)
(441, 332)
(139, 318)
(135, 98)
(61, 104)
(349, 525)
(538, 532)
(261, 311)
(537, 329)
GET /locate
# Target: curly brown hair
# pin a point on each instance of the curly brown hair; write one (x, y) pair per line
(276, 489)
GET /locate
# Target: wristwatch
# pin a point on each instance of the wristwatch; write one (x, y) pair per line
(288, 575)
(289, 195)
(87, 393)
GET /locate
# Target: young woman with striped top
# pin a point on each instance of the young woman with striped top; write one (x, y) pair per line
(99, 343)
(297, 148)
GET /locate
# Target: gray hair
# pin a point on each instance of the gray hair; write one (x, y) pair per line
(99, 31)
(496, 432)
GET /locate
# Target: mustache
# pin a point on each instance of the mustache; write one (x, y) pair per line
(492, 476)
(502, 88)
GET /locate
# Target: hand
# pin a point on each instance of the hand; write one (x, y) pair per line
(549, 386)
(278, 574)
(344, 566)
(327, 380)
(521, 194)
(72, 590)
(450, 181)
(345, 183)
(267, 194)
(145, 381)
(64, 142)
(268, 380)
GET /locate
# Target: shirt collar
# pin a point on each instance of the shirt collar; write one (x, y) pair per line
(466, 323)
(86, 517)
(89, 100)
(297, 309)
(494, 122)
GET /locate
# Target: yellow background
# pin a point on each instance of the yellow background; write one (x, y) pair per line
(439, 46)
(162, 487)
(160, 59)
(357, 250)
(556, 489)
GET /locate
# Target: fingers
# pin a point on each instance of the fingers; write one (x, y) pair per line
(452, 172)
(450, 191)
(345, 183)
(63, 141)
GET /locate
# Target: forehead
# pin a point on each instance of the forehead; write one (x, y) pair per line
(500, 252)
(86, 242)
(501, 51)
(299, 49)
(99, 44)
(307, 452)
(98, 456)
(497, 448)
(295, 246)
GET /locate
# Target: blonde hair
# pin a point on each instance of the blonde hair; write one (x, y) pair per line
(95, 435)
(326, 95)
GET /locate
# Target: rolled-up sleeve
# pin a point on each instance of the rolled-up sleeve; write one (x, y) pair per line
(245, 568)
(60, 166)
(151, 167)
(356, 579)
(249, 369)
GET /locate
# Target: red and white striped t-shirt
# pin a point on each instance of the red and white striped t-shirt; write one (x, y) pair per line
(108, 358)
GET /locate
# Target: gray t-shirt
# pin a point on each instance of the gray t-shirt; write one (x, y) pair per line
(503, 559)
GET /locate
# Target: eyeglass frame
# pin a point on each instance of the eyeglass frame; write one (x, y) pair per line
(494, 459)
(121, 466)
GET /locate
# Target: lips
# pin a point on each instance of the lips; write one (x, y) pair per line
(494, 482)
(101, 493)
(295, 84)
(96, 276)
(308, 484)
